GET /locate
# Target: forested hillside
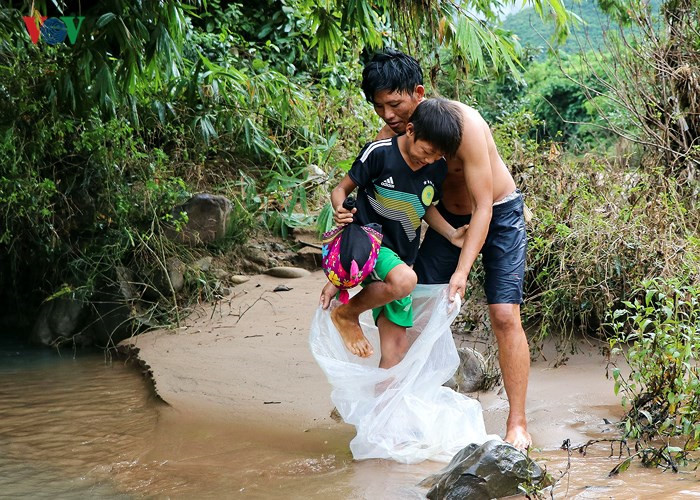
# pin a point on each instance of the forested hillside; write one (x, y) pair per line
(585, 35)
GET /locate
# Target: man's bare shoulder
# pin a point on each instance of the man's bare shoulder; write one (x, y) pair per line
(385, 133)
(471, 117)
(474, 147)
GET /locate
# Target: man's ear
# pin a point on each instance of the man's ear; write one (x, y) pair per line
(419, 92)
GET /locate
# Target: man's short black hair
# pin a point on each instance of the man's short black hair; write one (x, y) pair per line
(438, 122)
(390, 70)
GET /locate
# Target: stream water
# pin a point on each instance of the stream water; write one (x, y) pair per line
(78, 426)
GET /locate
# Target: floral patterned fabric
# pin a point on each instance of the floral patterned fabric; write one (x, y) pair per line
(348, 278)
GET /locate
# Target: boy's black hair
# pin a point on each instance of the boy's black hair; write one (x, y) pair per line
(390, 70)
(439, 122)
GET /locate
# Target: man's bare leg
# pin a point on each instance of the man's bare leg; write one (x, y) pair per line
(514, 359)
(399, 283)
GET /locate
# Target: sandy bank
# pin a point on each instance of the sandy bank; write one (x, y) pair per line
(248, 358)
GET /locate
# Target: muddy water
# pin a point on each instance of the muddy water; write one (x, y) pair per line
(80, 427)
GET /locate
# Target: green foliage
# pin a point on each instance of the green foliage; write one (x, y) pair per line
(552, 92)
(96, 150)
(658, 335)
(594, 238)
(324, 221)
(557, 101)
(119, 44)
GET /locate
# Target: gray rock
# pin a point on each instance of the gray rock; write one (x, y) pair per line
(57, 319)
(126, 283)
(257, 255)
(471, 372)
(316, 173)
(220, 274)
(251, 267)
(175, 276)
(492, 470)
(278, 247)
(115, 310)
(203, 264)
(287, 272)
(238, 279)
(208, 219)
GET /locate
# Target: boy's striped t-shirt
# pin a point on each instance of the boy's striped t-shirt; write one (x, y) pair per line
(395, 196)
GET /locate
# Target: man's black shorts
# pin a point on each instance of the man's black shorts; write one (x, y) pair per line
(503, 253)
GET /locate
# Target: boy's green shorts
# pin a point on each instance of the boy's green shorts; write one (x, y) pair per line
(398, 311)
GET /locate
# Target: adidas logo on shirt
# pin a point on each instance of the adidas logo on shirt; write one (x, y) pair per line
(389, 183)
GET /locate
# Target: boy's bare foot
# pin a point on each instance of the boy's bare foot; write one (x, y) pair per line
(517, 435)
(350, 331)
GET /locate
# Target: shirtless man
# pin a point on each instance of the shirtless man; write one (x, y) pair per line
(480, 191)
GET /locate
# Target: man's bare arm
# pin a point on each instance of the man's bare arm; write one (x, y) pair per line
(474, 154)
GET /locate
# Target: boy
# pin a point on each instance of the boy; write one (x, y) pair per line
(398, 178)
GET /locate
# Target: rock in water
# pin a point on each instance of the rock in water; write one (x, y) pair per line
(57, 319)
(471, 372)
(115, 310)
(492, 470)
(287, 272)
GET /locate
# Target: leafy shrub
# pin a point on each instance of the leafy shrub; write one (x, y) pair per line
(658, 335)
(595, 236)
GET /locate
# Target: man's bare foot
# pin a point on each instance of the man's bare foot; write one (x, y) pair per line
(350, 331)
(517, 435)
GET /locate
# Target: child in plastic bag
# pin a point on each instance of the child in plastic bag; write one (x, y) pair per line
(398, 180)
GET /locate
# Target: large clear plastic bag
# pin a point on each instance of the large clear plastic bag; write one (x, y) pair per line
(402, 413)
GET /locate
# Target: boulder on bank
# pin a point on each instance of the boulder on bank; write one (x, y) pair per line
(59, 318)
(173, 275)
(287, 272)
(207, 219)
(492, 470)
(115, 310)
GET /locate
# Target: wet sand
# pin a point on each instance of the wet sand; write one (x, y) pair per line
(249, 358)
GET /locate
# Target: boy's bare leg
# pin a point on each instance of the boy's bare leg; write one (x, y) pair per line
(514, 359)
(394, 346)
(398, 284)
(393, 342)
